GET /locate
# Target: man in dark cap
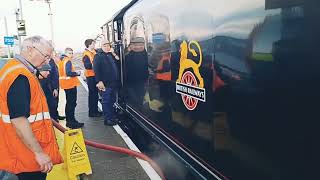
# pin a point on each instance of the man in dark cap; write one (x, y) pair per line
(49, 80)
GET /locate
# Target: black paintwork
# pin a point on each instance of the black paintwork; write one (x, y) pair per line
(261, 122)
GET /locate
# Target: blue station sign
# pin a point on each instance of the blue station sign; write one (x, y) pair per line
(9, 40)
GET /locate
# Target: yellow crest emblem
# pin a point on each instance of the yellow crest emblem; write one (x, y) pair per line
(186, 63)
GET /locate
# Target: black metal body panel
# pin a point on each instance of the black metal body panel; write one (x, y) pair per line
(231, 86)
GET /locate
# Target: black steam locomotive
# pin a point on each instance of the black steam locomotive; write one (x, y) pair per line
(230, 88)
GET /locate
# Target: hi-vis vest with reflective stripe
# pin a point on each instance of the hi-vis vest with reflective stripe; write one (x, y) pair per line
(15, 156)
(89, 72)
(66, 82)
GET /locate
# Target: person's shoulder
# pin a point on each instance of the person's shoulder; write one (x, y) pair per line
(98, 57)
(100, 54)
(52, 62)
(127, 55)
(68, 63)
(99, 51)
(21, 79)
(21, 76)
(62, 56)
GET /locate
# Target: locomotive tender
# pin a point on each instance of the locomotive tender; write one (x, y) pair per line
(229, 87)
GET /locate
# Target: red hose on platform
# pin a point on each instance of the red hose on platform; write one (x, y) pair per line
(118, 149)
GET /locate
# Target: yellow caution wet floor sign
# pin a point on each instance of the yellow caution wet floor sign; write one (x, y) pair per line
(77, 159)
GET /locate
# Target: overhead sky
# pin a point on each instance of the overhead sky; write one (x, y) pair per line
(73, 20)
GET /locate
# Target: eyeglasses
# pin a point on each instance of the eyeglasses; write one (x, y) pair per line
(46, 57)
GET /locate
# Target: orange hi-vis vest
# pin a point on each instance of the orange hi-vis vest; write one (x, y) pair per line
(89, 72)
(66, 82)
(15, 156)
(217, 81)
(163, 71)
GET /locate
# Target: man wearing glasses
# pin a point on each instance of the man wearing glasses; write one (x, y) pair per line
(28, 146)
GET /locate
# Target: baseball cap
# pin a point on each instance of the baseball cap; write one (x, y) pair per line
(137, 40)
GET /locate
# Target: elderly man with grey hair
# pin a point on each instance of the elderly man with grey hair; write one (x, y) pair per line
(28, 146)
(108, 80)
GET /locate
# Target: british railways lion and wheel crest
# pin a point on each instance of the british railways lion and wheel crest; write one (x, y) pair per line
(187, 83)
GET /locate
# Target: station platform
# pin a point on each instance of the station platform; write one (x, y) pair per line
(106, 164)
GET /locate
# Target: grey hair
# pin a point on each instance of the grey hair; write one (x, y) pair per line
(35, 41)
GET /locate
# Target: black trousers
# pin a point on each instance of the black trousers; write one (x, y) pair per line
(53, 105)
(32, 176)
(93, 95)
(51, 101)
(57, 103)
(136, 92)
(71, 98)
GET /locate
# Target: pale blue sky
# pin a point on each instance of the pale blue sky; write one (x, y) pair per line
(74, 20)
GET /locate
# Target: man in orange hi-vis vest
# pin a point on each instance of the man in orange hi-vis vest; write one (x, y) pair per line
(87, 59)
(28, 146)
(68, 81)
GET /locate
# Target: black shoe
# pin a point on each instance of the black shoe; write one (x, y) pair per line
(98, 114)
(109, 123)
(75, 125)
(80, 123)
(61, 117)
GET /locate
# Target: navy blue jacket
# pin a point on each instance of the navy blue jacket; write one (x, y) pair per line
(52, 81)
(106, 69)
(136, 67)
(87, 63)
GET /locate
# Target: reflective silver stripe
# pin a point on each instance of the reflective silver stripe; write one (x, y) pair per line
(39, 116)
(5, 118)
(64, 77)
(32, 118)
(9, 70)
(46, 115)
